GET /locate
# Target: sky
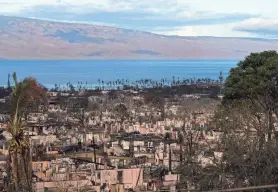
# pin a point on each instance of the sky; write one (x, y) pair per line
(222, 18)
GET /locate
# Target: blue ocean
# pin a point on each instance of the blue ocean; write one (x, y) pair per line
(51, 72)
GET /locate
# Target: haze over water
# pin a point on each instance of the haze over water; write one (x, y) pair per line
(50, 72)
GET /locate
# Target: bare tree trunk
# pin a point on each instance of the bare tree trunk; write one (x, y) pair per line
(15, 171)
(239, 183)
(269, 116)
(170, 158)
(181, 157)
(27, 165)
(8, 180)
(22, 170)
(262, 140)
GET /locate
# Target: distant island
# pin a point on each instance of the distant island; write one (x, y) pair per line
(22, 38)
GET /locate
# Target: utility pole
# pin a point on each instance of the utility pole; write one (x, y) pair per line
(131, 146)
(170, 159)
(95, 156)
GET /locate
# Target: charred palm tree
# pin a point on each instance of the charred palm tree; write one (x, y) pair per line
(23, 94)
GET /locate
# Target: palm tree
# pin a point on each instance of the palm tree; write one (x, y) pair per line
(9, 84)
(22, 95)
(221, 77)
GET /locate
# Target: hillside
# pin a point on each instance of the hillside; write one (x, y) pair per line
(22, 38)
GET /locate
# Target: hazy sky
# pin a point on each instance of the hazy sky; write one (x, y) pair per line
(229, 18)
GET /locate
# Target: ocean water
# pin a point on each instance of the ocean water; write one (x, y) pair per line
(51, 72)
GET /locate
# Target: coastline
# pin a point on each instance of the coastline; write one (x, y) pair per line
(61, 72)
(124, 59)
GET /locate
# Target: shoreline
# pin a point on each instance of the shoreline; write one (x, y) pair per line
(104, 59)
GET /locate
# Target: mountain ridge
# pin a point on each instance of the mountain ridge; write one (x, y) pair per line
(134, 30)
(25, 38)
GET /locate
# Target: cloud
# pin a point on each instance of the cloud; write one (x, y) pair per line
(219, 30)
(140, 20)
(259, 27)
(196, 17)
(82, 6)
(155, 9)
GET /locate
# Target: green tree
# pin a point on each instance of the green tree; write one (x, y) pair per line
(255, 79)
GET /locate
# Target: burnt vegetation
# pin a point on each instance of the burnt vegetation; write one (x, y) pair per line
(209, 142)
